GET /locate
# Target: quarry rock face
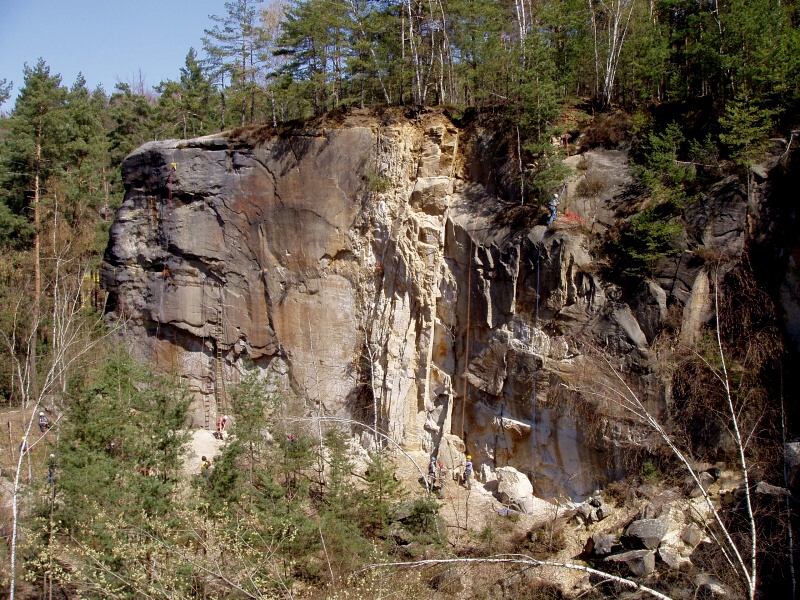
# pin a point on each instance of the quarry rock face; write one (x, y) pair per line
(388, 256)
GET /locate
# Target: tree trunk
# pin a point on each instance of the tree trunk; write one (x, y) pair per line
(37, 273)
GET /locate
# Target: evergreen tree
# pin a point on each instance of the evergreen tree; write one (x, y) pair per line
(745, 127)
(31, 152)
(234, 46)
(186, 107)
(132, 122)
(5, 90)
(120, 445)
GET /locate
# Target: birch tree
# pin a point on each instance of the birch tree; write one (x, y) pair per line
(610, 22)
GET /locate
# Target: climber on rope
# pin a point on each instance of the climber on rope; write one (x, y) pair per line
(468, 473)
(43, 423)
(432, 470)
(553, 206)
(51, 470)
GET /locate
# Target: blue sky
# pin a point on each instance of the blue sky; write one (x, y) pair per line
(107, 40)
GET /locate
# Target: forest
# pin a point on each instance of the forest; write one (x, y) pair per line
(697, 89)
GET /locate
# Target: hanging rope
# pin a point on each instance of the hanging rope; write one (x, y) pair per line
(164, 271)
(535, 398)
(466, 349)
(172, 167)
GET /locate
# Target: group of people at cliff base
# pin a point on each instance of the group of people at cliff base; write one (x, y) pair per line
(437, 473)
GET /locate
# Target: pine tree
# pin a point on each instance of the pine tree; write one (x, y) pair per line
(233, 47)
(745, 127)
(5, 90)
(31, 156)
(186, 107)
(132, 122)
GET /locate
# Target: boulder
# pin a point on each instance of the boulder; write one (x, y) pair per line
(603, 512)
(646, 533)
(431, 194)
(514, 488)
(650, 511)
(587, 513)
(673, 558)
(771, 490)
(709, 586)
(692, 536)
(401, 536)
(706, 479)
(601, 544)
(639, 562)
(448, 580)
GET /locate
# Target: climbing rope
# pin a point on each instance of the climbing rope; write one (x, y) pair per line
(466, 348)
(164, 271)
(535, 398)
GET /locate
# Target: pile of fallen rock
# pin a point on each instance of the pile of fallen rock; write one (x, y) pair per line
(668, 533)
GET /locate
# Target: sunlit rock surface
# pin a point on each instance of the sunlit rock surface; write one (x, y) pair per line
(393, 253)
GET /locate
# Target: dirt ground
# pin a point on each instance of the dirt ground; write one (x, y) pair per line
(202, 443)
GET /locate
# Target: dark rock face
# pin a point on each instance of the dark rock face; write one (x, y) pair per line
(394, 244)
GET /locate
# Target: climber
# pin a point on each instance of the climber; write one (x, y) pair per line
(205, 468)
(221, 423)
(553, 206)
(51, 470)
(23, 447)
(468, 473)
(42, 422)
(432, 470)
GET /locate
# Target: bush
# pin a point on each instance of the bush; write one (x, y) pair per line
(650, 472)
(376, 182)
(591, 185)
(545, 541)
(645, 240)
(609, 130)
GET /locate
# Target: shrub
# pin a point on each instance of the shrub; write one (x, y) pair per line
(376, 182)
(608, 130)
(591, 185)
(645, 240)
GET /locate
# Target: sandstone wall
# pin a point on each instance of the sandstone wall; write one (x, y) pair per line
(385, 244)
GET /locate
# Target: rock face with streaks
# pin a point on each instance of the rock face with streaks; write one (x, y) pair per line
(390, 255)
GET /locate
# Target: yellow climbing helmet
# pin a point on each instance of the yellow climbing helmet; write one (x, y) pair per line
(469, 457)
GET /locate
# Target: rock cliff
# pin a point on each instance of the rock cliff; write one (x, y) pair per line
(389, 254)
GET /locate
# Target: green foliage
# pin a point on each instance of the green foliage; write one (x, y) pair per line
(5, 90)
(424, 521)
(120, 447)
(224, 486)
(234, 45)
(661, 161)
(650, 472)
(188, 108)
(382, 491)
(37, 132)
(131, 116)
(646, 239)
(745, 127)
(377, 183)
